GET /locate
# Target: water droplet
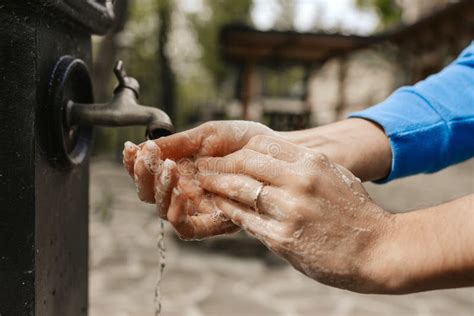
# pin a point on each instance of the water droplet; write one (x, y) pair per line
(297, 234)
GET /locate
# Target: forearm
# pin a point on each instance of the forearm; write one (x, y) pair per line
(357, 144)
(428, 249)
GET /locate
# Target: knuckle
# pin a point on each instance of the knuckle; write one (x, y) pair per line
(240, 158)
(261, 128)
(286, 231)
(259, 125)
(295, 208)
(320, 159)
(208, 128)
(245, 152)
(307, 183)
(210, 125)
(255, 141)
(233, 156)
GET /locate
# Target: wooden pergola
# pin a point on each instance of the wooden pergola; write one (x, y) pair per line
(249, 48)
(422, 48)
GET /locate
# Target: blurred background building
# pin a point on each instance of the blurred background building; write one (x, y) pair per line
(291, 65)
(180, 52)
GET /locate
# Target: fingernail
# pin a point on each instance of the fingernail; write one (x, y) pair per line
(151, 164)
(166, 172)
(176, 191)
(168, 163)
(150, 145)
(165, 176)
(129, 145)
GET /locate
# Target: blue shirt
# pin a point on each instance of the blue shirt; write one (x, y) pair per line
(430, 125)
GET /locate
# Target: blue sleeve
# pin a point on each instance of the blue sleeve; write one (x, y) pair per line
(430, 125)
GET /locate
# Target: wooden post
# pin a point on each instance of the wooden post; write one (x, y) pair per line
(246, 88)
(342, 74)
(305, 96)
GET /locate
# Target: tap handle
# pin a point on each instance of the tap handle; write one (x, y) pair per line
(120, 73)
(125, 81)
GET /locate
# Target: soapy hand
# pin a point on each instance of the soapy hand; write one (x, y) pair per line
(310, 211)
(164, 173)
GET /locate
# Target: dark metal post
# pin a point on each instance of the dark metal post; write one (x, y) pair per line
(43, 209)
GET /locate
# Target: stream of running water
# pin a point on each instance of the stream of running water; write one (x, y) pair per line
(161, 266)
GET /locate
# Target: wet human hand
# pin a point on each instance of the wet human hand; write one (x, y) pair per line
(308, 210)
(164, 174)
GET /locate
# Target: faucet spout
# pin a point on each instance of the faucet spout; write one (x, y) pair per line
(123, 110)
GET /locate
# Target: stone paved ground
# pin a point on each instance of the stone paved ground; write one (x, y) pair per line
(200, 281)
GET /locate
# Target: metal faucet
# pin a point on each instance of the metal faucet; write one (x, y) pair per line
(123, 110)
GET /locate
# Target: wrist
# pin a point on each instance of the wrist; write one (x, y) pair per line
(427, 249)
(385, 260)
(357, 144)
(401, 259)
(382, 257)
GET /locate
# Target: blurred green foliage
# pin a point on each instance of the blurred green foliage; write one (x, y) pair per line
(139, 48)
(207, 31)
(388, 11)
